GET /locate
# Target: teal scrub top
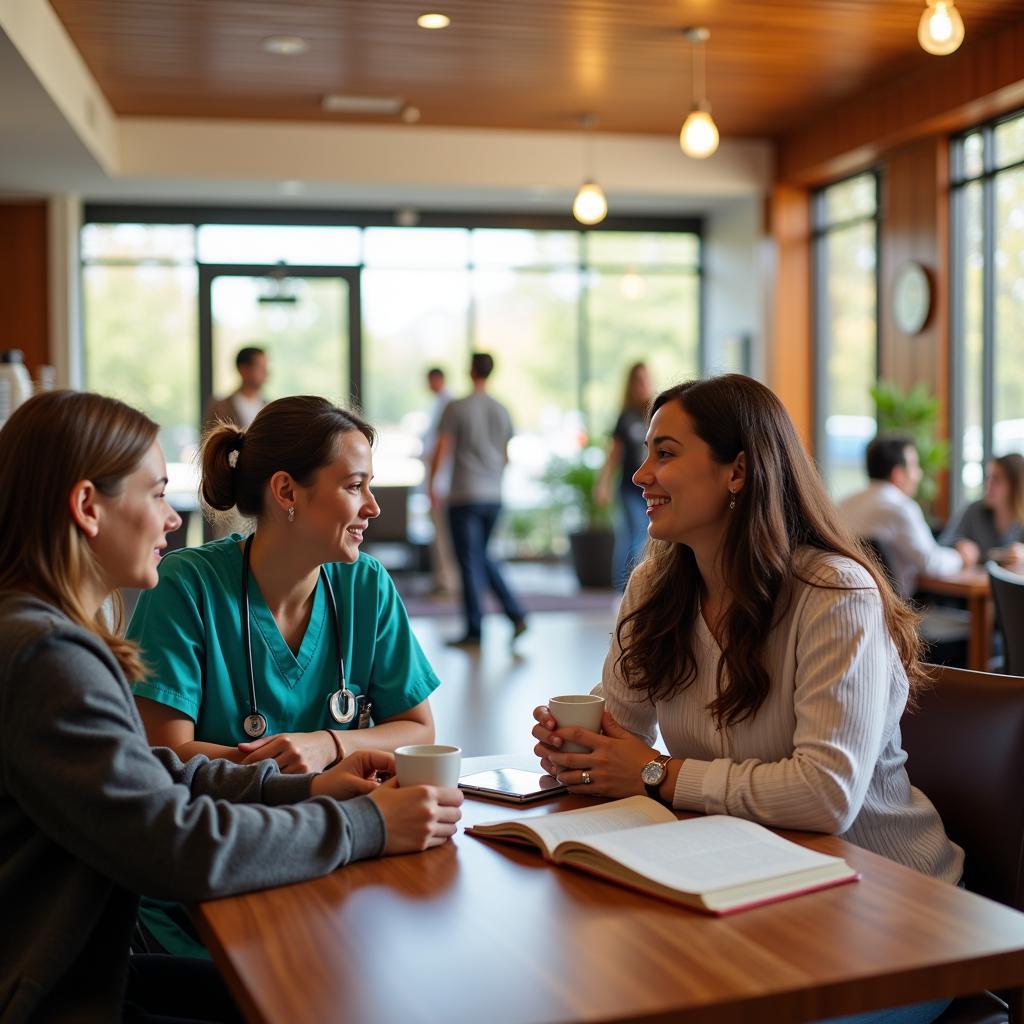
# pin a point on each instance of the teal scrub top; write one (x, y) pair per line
(189, 630)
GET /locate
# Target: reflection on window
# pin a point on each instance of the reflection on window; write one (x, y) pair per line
(846, 299)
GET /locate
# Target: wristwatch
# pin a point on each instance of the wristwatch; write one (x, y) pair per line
(653, 775)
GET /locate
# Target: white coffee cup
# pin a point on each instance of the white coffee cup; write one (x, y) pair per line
(428, 764)
(582, 709)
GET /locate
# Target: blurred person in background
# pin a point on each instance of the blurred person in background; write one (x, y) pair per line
(625, 456)
(242, 405)
(444, 569)
(474, 434)
(885, 512)
(993, 525)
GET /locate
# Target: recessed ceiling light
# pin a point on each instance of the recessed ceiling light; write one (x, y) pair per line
(337, 103)
(287, 46)
(433, 20)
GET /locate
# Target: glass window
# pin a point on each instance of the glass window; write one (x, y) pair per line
(301, 323)
(413, 320)
(846, 343)
(988, 333)
(514, 248)
(140, 346)
(973, 154)
(1008, 356)
(643, 249)
(529, 321)
(172, 243)
(564, 312)
(414, 248)
(1009, 142)
(272, 243)
(851, 199)
(972, 331)
(636, 317)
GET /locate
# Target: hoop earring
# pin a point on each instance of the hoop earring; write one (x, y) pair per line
(291, 513)
(732, 502)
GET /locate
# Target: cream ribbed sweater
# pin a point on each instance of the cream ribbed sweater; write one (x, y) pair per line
(823, 752)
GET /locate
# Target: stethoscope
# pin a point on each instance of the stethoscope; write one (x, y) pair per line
(343, 704)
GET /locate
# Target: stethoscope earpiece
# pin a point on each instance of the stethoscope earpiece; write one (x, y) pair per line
(342, 703)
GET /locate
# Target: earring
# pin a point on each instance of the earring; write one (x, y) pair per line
(291, 513)
(732, 502)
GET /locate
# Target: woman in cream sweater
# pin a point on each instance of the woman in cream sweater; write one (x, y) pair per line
(761, 641)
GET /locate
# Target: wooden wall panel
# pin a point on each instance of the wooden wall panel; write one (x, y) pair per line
(790, 345)
(915, 226)
(24, 312)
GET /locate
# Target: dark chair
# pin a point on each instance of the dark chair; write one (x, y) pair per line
(965, 749)
(1008, 593)
(945, 631)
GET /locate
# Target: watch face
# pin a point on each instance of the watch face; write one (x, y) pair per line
(653, 773)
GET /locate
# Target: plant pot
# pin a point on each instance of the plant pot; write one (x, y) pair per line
(592, 552)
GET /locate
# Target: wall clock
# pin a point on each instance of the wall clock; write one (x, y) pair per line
(911, 298)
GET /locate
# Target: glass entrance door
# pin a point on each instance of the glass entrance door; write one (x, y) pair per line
(305, 318)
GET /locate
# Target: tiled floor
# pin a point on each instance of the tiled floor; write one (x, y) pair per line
(485, 702)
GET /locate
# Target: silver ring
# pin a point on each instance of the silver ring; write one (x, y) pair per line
(587, 780)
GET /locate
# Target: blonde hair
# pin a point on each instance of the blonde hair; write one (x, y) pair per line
(48, 445)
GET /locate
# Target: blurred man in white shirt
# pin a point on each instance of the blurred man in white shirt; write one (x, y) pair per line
(885, 511)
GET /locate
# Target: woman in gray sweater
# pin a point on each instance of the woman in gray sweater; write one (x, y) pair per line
(90, 815)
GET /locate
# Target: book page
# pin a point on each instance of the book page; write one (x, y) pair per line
(704, 854)
(630, 814)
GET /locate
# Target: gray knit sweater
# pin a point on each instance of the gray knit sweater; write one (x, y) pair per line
(90, 816)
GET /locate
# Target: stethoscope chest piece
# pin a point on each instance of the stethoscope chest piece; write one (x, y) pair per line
(254, 725)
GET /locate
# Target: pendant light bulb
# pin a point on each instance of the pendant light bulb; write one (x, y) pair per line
(590, 205)
(941, 29)
(699, 135)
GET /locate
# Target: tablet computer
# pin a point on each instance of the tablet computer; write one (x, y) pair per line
(511, 784)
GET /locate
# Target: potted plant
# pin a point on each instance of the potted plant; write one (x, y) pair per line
(916, 414)
(589, 525)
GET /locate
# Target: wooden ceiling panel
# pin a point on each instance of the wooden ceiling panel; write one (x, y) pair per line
(533, 64)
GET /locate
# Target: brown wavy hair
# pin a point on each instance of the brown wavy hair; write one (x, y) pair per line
(782, 506)
(48, 445)
(297, 434)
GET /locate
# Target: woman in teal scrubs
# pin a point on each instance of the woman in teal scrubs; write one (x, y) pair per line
(302, 471)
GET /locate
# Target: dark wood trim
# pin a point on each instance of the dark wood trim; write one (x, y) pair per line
(983, 79)
(115, 213)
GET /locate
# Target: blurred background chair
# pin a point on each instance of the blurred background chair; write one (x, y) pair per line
(944, 630)
(965, 748)
(1008, 593)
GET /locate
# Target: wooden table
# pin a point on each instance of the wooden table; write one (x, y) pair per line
(476, 931)
(972, 586)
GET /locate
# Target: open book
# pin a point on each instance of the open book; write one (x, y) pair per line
(717, 864)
